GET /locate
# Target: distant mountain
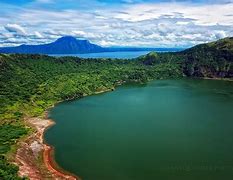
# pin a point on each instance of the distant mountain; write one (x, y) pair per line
(71, 45)
(63, 45)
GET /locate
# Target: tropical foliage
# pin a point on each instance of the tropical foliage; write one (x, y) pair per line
(30, 84)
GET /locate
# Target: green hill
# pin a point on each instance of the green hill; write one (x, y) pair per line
(213, 60)
(30, 84)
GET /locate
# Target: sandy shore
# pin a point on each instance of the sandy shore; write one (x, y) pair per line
(34, 157)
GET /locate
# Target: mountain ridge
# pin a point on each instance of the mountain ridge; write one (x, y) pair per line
(209, 60)
(63, 45)
(71, 45)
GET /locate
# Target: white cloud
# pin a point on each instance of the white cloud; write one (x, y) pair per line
(140, 24)
(15, 28)
(220, 34)
(79, 33)
(38, 35)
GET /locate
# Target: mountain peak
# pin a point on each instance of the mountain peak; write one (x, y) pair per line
(68, 39)
(63, 45)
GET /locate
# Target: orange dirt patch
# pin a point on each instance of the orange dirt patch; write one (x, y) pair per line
(34, 157)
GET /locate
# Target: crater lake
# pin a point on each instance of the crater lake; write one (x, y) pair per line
(165, 129)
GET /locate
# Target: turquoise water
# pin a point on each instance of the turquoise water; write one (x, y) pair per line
(166, 129)
(119, 55)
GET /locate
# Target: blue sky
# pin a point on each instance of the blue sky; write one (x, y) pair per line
(142, 23)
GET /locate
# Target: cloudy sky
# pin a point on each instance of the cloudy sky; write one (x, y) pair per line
(143, 23)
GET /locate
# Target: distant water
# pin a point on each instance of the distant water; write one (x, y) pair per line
(119, 55)
(167, 129)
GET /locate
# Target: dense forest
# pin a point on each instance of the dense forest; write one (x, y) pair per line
(30, 84)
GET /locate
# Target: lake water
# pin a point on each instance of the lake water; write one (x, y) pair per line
(166, 129)
(118, 55)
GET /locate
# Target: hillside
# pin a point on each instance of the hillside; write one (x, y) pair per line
(30, 84)
(211, 60)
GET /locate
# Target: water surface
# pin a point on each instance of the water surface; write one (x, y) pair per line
(117, 55)
(167, 129)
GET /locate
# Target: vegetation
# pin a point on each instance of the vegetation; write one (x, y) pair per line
(8, 135)
(213, 60)
(30, 84)
(7, 170)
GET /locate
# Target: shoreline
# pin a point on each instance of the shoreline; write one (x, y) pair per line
(34, 157)
(52, 166)
(218, 79)
(34, 147)
(48, 151)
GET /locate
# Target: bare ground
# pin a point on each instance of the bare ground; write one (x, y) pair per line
(33, 156)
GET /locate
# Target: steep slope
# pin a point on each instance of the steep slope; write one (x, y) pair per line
(30, 84)
(213, 60)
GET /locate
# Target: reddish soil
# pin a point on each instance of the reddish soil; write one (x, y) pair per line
(35, 158)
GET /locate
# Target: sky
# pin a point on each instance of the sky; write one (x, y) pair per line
(133, 23)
